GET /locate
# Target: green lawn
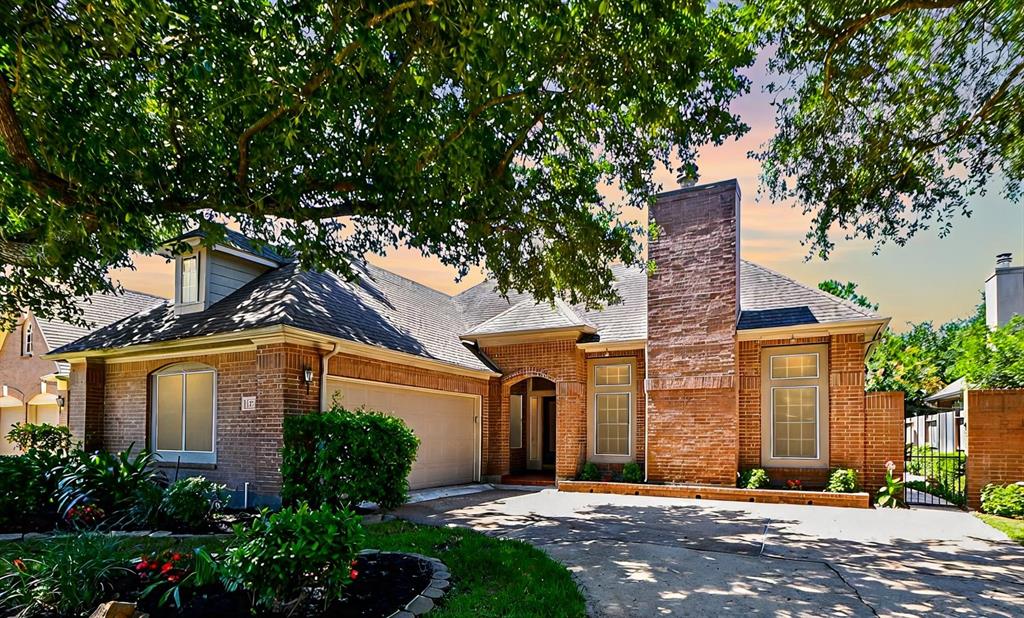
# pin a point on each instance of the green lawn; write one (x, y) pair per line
(1014, 528)
(490, 577)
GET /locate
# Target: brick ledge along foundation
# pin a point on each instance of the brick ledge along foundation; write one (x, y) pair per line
(858, 500)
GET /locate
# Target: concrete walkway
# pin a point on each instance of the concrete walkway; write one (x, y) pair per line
(638, 556)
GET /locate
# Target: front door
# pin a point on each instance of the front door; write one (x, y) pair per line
(535, 432)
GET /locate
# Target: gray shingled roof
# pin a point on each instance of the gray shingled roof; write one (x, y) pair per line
(770, 300)
(529, 315)
(241, 242)
(385, 310)
(380, 309)
(98, 310)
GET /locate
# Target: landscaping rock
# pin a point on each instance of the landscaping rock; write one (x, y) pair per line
(29, 536)
(420, 605)
(440, 584)
(369, 552)
(14, 536)
(159, 534)
(442, 574)
(433, 593)
(402, 614)
(117, 609)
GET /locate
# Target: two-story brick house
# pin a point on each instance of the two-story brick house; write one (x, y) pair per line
(710, 365)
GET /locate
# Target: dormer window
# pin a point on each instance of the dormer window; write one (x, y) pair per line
(26, 342)
(190, 279)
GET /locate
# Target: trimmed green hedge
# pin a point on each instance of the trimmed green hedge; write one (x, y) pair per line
(342, 458)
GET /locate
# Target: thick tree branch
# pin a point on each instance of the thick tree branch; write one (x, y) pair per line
(44, 182)
(470, 119)
(510, 152)
(847, 30)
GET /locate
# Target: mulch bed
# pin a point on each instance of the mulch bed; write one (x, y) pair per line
(386, 583)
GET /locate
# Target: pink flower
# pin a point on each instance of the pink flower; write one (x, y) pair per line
(890, 466)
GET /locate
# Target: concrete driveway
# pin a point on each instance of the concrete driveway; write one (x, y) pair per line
(638, 556)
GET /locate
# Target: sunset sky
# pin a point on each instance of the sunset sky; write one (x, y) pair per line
(931, 278)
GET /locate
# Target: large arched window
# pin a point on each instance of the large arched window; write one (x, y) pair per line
(184, 413)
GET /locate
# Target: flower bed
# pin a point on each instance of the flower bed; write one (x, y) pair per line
(859, 500)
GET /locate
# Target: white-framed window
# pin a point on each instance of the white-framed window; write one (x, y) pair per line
(794, 366)
(795, 417)
(184, 413)
(795, 422)
(613, 375)
(515, 430)
(26, 341)
(190, 279)
(611, 423)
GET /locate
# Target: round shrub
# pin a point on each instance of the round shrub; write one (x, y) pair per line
(191, 502)
(1003, 500)
(24, 493)
(755, 478)
(590, 472)
(842, 481)
(280, 557)
(632, 473)
(342, 458)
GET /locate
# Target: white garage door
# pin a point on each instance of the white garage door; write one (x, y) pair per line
(444, 423)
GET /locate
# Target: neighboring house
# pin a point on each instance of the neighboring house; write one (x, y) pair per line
(946, 430)
(709, 366)
(34, 389)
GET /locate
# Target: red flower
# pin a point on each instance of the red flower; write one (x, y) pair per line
(18, 564)
(175, 556)
(166, 567)
(173, 579)
(353, 574)
(142, 566)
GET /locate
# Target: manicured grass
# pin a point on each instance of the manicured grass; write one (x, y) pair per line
(1014, 528)
(490, 577)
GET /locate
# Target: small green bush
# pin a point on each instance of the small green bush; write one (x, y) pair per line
(632, 473)
(342, 458)
(191, 502)
(66, 576)
(842, 481)
(1003, 500)
(116, 483)
(590, 472)
(755, 478)
(279, 557)
(53, 438)
(24, 494)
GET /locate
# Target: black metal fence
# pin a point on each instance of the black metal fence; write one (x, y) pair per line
(935, 463)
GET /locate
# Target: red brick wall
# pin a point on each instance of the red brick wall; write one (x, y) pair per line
(884, 414)
(860, 437)
(24, 373)
(995, 440)
(692, 305)
(86, 388)
(561, 362)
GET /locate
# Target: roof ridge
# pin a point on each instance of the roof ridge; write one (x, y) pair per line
(569, 313)
(412, 281)
(496, 316)
(868, 313)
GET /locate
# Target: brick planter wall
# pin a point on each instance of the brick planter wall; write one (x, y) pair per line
(995, 440)
(734, 494)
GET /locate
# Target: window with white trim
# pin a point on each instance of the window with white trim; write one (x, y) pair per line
(184, 413)
(26, 342)
(190, 279)
(612, 409)
(794, 426)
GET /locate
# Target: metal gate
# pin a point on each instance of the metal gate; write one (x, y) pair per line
(935, 462)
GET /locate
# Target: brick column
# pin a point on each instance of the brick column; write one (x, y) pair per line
(86, 390)
(692, 307)
(280, 392)
(571, 428)
(995, 440)
(846, 403)
(884, 437)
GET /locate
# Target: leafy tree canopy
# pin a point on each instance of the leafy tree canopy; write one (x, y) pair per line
(847, 291)
(478, 132)
(891, 114)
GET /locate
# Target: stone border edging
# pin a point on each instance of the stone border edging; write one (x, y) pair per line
(156, 534)
(860, 500)
(428, 597)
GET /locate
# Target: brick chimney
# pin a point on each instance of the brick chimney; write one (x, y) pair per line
(692, 309)
(1004, 292)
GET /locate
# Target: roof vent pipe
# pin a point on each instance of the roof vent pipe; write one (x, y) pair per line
(1003, 260)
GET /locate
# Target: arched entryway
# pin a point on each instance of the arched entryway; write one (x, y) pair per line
(533, 414)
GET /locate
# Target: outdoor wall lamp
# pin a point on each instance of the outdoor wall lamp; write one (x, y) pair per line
(307, 377)
(60, 401)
